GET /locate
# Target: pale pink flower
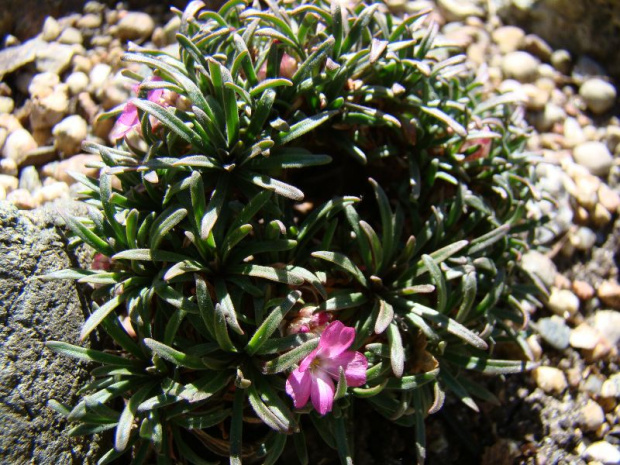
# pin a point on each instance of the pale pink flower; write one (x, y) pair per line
(307, 321)
(315, 376)
(288, 67)
(129, 118)
(484, 147)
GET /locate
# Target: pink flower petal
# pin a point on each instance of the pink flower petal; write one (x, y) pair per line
(355, 370)
(305, 363)
(332, 365)
(322, 392)
(354, 365)
(126, 122)
(336, 338)
(298, 387)
(155, 95)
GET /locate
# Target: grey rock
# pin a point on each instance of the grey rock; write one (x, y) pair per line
(33, 311)
(554, 331)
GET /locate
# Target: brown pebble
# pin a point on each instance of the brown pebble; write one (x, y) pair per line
(583, 290)
(60, 170)
(22, 199)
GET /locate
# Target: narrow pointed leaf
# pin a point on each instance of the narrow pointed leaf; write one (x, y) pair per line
(271, 323)
(343, 262)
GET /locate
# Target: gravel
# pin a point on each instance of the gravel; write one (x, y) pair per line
(61, 80)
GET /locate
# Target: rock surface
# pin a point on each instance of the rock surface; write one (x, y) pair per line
(33, 311)
(582, 26)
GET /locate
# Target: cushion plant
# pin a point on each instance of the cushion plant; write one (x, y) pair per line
(312, 208)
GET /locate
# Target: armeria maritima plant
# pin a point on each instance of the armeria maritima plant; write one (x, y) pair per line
(310, 211)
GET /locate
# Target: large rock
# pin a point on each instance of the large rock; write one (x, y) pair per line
(581, 26)
(33, 311)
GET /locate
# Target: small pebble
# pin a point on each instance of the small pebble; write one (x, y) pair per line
(9, 183)
(608, 198)
(135, 26)
(603, 452)
(607, 322)
(17, 145)
(521, 66)
(554, 331)
(595, 156)
(6, 105)
(573, 134)
(69, 134)
(534, 345)
(60, 170)
(29, 179)
(22, 199)
(563, 302)
(598, 95)
(584, 337)
(583, 290)
(591, 416)
(550, 379)
(540, 265)
(583, 238)
(561, 60)
(587, 190)
(551, 115)
(609, 293)
(601, 216)
(77, 82)
(508, 38)
(70, 36)
(43, 84)
(89, 21)
(51, 192)
(48, 111)
(537, 47)
(51, 29)
(458, 10)
(611, 386)
(54, 58)
(98, 76)
(593, 384)
(8, 166)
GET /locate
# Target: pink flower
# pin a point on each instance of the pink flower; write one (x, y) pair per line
(307, 321)
(314, 378)
(288, 67)
(484, 147)
(129, 117)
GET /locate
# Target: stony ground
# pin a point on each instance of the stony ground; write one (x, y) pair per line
(566, 411)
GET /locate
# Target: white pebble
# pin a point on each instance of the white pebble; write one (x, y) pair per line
(598, 95)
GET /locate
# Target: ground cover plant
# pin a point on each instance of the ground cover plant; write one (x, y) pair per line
(312, 210)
